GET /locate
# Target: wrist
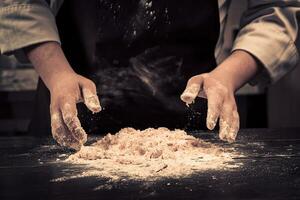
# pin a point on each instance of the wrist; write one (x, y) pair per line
(50, 63)
(236, 70)
(58, 79)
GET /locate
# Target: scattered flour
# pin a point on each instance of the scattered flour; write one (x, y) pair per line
(150, 154)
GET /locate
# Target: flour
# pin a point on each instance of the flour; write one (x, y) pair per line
(151, 154)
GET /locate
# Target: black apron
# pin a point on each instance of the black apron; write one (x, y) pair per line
(140, 54)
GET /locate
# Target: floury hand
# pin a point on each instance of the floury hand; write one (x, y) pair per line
(67, 89)
(65, 125)
(221, 104)
(219, 86)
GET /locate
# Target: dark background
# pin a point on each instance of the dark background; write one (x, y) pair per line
(276, 106)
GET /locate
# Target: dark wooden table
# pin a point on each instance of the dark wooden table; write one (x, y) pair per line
(271, 170)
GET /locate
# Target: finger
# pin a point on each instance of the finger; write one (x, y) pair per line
(90, 97)
(225, 122)
(234, 127)
(193, 87)
(214, 103)
(57, 129)
(61, 133)
(69, 113)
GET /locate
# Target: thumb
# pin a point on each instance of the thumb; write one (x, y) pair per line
(192, 89)
(90, 97)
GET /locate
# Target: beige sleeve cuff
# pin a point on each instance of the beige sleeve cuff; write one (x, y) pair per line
(22, 25)
(271, 46)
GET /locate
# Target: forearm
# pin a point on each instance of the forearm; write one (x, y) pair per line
(236, 70)
(49, 61)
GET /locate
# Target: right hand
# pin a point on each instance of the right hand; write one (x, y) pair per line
(68, 90)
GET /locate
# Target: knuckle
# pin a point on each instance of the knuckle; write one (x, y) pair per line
(54, 103)
(224, 90)
(228, 95)
(53, 108)
(68, 108)
(69, 119)
(89, 83)
(194, 79)
(213, 111)
(58, 130)
(66, 96)
(61, 102)
(229, 106)
(236, 115)
(65, 100)
(92, 85)
(55, 120)
(219, 90)
(216, 88)
(215, 93)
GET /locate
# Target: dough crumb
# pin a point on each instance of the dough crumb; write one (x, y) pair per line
(151, 154)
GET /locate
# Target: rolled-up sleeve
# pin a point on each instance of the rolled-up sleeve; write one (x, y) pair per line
(269, 31)
(24, 23)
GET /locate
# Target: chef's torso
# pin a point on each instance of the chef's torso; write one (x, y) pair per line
(140, 54)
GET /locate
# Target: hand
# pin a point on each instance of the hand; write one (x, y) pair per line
(219, 87)
(67, 89)
(71, 88)
(221, 104)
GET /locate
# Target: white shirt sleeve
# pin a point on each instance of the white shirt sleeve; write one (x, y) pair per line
(24, 23)
(269, 31)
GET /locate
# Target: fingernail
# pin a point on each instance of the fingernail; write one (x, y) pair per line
(222, 137)
(211, 121)
(190, 94)
(80, 135)
(233, 135)
(93, 103)
(230, 140)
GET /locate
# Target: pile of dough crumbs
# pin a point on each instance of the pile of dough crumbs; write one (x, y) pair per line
(151, 154)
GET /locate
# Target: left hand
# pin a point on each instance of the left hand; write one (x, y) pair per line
(221, 103)
(219, 87)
